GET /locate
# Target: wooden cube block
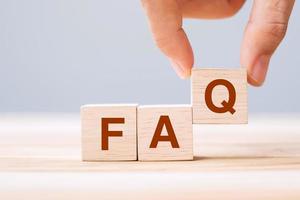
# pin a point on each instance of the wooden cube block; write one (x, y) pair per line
(165, 133)
(219, 96)
(109, 132)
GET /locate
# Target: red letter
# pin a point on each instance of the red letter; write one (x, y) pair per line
(106, 133)
(227, 106)
(164, 120)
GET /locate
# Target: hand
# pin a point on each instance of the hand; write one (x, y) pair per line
(264, 32)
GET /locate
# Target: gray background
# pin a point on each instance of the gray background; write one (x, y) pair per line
(56, 55)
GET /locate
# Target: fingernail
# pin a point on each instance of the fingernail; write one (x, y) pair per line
(180, 71)
(257, 73)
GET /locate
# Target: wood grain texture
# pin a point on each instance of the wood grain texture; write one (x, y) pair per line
(120, 147)
(201, 77)
(181, 121)
(40, 158)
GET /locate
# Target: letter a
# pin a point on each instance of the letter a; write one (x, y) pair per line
(164, 121)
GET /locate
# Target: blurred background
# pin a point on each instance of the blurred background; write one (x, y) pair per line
(56, 55)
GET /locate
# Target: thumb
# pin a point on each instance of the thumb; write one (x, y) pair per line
(265, 30)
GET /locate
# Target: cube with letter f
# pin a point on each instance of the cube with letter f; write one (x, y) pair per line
(109, 132)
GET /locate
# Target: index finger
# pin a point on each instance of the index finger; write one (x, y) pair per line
(165, 21)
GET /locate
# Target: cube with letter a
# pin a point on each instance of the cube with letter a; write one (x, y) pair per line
(219, 96)
(109, 132)
(165, 132)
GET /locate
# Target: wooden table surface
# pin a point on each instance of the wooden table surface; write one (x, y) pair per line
(40, 159)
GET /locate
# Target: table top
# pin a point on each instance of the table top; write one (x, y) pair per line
(40, 159)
